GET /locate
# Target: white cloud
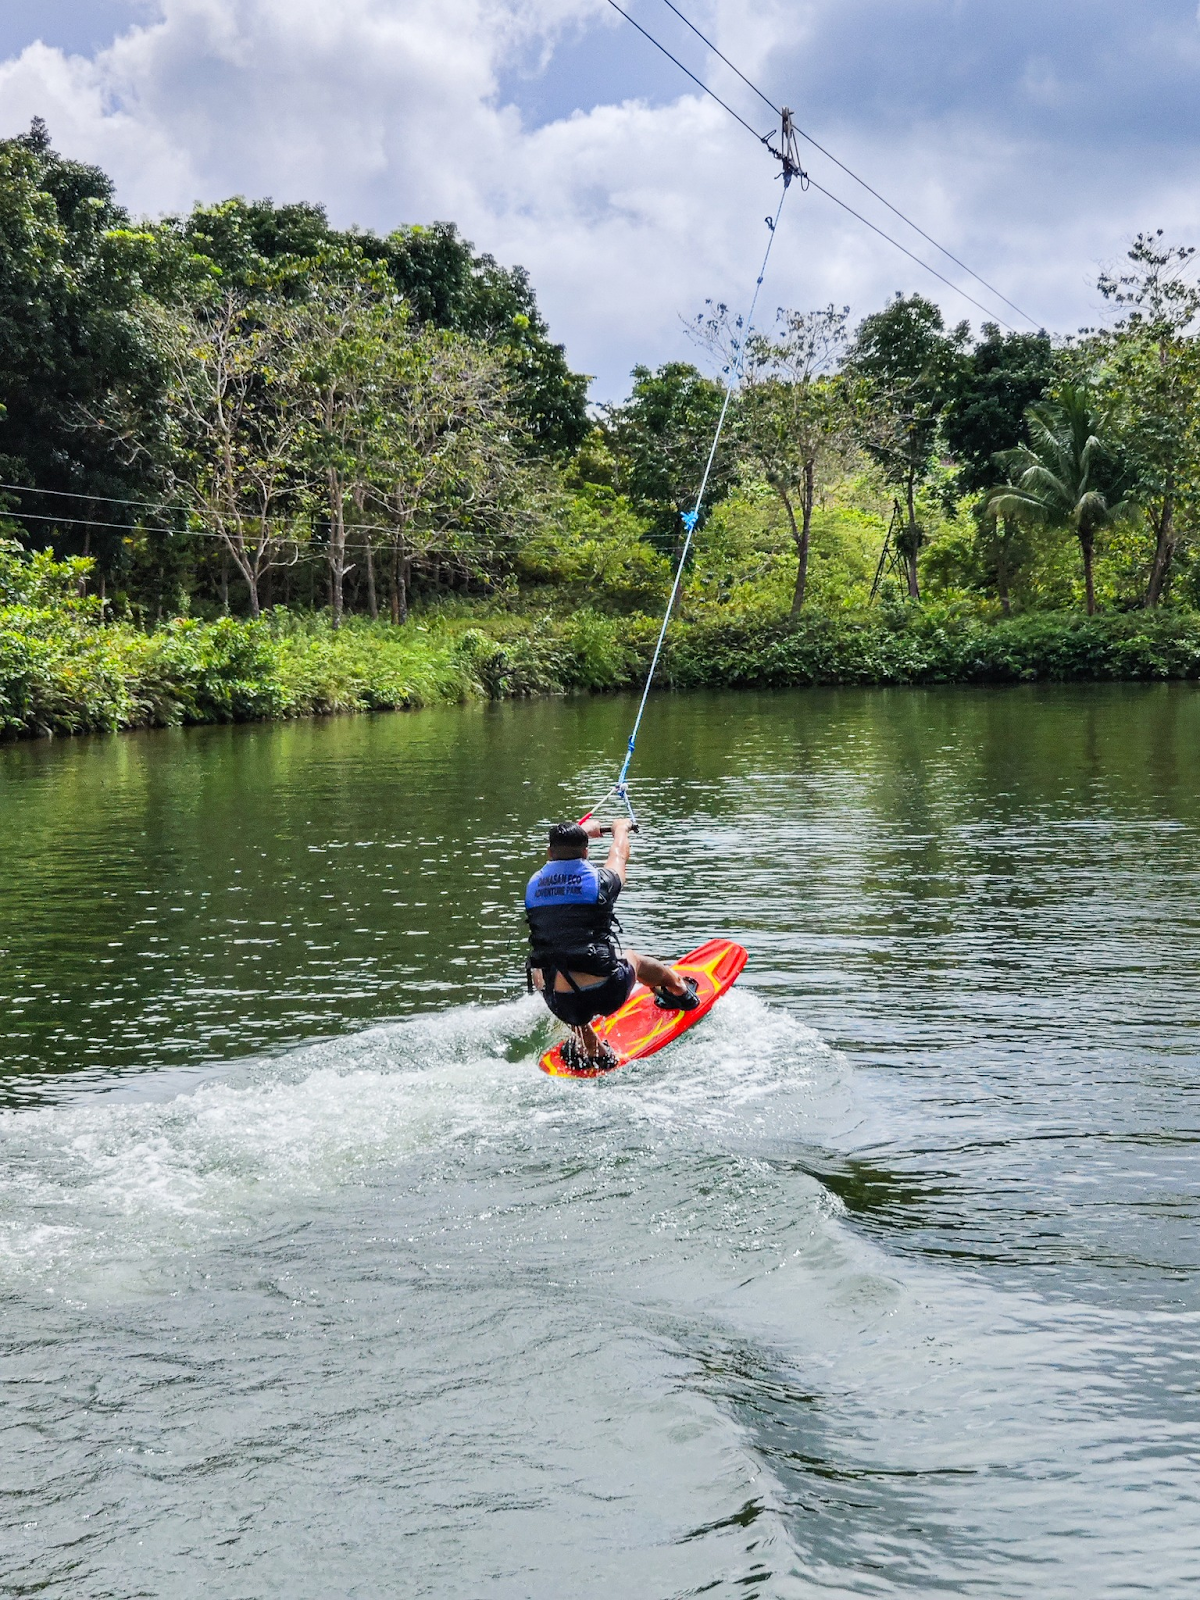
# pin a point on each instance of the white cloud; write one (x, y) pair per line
(630, 214)
(75, 97)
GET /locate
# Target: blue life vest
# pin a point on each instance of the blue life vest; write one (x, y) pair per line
(571, 918)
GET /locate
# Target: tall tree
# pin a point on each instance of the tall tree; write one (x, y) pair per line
(449, 479)
(989, 393)
(1067, 476)
(72, 339)
(908, 362)
(662, 436)
(1151, 380)
(795, 414)
(452, 288)
(445, 284)
(239, 427)
(409, 432)
(346, 327)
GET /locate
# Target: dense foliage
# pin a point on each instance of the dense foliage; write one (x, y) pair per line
(252, 465)
(61, 673)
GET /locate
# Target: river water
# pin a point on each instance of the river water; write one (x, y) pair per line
(884, 1281)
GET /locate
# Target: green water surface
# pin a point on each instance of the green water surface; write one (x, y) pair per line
(884, 1281)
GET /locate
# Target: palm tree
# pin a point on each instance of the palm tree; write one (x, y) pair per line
(1065, 477)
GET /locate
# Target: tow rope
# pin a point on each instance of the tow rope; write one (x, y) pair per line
(791, 169)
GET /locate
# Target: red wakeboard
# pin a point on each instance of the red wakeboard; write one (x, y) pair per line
(641, 1027)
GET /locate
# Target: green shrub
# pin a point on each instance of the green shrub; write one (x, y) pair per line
(63, 670)
(592, 547)
(223, 671)
(932, 645)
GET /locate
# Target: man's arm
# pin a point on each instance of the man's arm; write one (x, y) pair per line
(618, 855)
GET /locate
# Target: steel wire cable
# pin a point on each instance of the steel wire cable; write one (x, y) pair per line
(493, 544)
(317, 546)
(988, 311)
(849, 171)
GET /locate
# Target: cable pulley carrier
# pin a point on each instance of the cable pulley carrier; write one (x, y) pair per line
(787, 154)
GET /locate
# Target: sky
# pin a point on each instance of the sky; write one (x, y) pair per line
(1033, 140)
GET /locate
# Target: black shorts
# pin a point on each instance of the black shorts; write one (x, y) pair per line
(577, 1008)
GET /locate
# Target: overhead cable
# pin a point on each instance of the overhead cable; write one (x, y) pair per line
(699, 81)
(828, 193)
(71, 494)
(849, 171)
(151, 527)
(491, 546)
(941, 277)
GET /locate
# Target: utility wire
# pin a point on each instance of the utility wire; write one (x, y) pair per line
(828, 193)
(700, 81)
(849, 171)
(72, 494)
(941, 277)
(492, 546)
(147, 505)
(150, 527)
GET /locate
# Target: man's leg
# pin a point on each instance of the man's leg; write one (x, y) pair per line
(587, 1039)
(655, 974)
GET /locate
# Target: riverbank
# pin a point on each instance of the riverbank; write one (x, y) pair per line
(64, 672)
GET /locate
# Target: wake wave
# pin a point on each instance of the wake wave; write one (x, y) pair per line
(96, 1182)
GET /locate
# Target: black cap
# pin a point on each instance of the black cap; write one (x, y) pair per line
(569, 837)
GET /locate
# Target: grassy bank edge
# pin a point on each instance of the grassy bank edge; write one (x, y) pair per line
(61, 674)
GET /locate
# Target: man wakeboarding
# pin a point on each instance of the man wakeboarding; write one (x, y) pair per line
(575, 961)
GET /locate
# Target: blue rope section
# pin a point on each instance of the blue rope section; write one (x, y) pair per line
(690, 518)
